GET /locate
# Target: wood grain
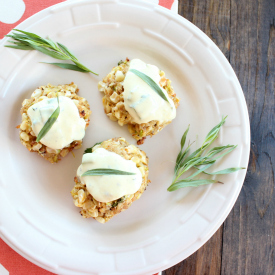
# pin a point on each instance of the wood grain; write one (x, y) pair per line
(244, 30)
(248, 235)
(212, 17)
(207, 260)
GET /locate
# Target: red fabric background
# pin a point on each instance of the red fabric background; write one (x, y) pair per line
(16, 264)
(32, 7)
(166, 3)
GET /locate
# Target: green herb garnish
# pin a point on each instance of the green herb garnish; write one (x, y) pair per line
(200, 160)
(120, 200)
(49, 123)
(90, 150)
(150, 82)
(105, 172)
(30, 41)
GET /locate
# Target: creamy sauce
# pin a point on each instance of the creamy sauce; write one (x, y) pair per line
(141, 101)
(110, 187)
(68, 126)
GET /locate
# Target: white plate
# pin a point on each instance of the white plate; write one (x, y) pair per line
(38, 218)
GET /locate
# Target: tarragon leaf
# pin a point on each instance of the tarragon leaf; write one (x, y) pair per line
(51, 53)
(28, 33)
(20, 47)
(225, 171)
(190, 183)
(83, 67)
(49, 123)
(90, 150)
(150, 82)
(105, 172)
(66, 51)
(67, 66)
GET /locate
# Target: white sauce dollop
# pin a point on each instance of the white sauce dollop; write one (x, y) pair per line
(141, 101)
(68, 126)
(109, 187)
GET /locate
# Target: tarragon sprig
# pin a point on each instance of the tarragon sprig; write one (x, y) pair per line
(49, 123)
(200, 160)
(30, 41)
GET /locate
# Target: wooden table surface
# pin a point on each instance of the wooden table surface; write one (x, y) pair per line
(244, 30)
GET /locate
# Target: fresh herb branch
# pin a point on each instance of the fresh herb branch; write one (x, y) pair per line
(49, 123)
(200, 160)
(105, 172)
(30, 41)
(150, 82)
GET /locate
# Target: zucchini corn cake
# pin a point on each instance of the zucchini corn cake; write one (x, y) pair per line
(102, 197)
(67, 131)
(129, 100)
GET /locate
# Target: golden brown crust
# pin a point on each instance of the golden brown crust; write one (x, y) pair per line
(113, 102)
(28, 138)
(101, 211)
